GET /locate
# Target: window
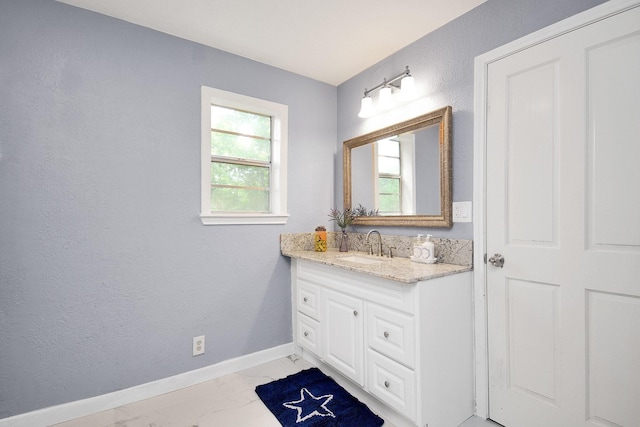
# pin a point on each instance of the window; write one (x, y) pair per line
(244, 146)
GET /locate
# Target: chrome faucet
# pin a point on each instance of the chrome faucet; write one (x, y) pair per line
(371, 245)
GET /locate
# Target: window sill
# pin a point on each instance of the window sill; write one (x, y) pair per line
(240, 219)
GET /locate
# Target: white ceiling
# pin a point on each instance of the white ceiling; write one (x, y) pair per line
(330, 40)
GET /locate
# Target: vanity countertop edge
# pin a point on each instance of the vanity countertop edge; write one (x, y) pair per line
(397, 269)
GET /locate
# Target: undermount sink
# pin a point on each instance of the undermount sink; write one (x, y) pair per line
(360, 259)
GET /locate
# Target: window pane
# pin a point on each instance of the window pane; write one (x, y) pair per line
(239, 200)
(388, 165)
(240, 147)
(241, 122)
(389, 185)
(389, 203)
(388, 147)
(244, 144)
(239, 175)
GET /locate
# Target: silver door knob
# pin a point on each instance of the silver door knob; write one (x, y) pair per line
(497, 260)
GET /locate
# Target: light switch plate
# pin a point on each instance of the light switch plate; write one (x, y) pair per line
(462, 211)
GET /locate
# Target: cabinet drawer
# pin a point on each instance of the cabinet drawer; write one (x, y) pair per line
(307, 299)
(308, 332)
(392, 383)
(392, 333)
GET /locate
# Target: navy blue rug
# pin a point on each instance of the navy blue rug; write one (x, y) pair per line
(312, 399)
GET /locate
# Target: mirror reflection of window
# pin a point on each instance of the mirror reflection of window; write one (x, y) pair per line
(395, 183)
(389, 192)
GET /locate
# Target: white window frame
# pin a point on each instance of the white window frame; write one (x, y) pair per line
(278, 180)
(408, 156)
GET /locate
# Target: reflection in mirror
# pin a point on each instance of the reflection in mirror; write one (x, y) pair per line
(385, 174)
(402, 173)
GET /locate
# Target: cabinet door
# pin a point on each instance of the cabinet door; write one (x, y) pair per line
(342, 329)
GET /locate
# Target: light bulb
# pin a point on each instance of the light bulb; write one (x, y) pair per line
(385, 100)
(407, 87)
(366, 108)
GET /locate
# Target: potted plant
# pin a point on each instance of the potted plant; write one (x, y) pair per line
(343, 220)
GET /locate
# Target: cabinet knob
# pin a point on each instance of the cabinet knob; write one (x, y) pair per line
(306, 334)
(386, 334)
(386, 384)
(355, 313)
(304, 299)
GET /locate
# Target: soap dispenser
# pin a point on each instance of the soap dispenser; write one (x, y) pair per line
(417, 249)
(424, 250)
(429, 250)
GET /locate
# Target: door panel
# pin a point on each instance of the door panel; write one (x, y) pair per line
(613, 88)
(530, 163)
(606, 313)
(563, 143)
(532, 325)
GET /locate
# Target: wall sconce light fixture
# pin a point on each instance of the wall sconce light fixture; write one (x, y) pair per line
(385, 95)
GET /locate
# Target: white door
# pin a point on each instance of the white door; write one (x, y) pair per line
(563, 209)
(343, 334)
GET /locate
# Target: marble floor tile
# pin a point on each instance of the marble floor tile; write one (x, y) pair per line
(479, 422)
(228, 401)
(99, 419)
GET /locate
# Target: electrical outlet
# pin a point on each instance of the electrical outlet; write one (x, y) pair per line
(461, 211)
(198, 345)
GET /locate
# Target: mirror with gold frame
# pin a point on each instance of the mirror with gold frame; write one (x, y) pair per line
(401, 175)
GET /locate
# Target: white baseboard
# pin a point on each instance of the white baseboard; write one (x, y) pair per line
(80, 408)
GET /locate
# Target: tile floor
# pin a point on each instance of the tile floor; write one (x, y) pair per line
(228, 401)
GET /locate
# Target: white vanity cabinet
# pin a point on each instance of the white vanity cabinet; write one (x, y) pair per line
(405, 349)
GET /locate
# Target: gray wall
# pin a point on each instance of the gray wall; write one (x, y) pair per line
(106, 272)
(442, 65)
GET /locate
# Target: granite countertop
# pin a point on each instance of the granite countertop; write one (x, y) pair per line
(399, 269)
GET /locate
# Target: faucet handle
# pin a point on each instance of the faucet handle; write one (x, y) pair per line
(370, 247)
(390, 253)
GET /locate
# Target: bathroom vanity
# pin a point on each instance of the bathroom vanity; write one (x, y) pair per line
(395, 333)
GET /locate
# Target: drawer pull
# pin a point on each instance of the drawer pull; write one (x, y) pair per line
(306, 334)
(386, 384)
(355, 313)
(386, 334)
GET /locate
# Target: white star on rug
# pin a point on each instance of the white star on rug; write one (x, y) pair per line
(309, 406)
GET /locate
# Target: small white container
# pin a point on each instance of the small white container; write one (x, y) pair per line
(430, 248)
(424, 250)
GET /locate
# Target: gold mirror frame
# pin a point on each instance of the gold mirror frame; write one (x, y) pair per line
(442, 117)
